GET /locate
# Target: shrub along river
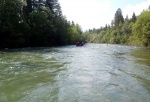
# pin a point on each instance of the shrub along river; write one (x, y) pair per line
(91, 73)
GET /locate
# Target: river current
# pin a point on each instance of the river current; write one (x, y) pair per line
(91, 73)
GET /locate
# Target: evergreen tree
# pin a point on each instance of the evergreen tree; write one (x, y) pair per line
(72, 23)
(127, 18)
(118, 18)
(112, 23)
(25, 23)
(10, 19)
(54, 6)
(133, 19)
(28, 8)
(106, 27)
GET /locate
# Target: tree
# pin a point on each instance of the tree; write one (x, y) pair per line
(72, 23)
(133, 19)
(54, 6)
(141, 28)
(25, 23)
(112, 23)
(106, 27)
(127, 18)
(41, 29)
(10, 19)
(126, 29)
(118, 18)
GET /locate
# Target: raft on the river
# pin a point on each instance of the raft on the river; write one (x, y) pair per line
(80, 43)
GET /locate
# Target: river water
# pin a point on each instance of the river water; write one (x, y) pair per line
(92, 73)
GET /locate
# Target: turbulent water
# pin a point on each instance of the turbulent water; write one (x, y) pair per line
(91, 73)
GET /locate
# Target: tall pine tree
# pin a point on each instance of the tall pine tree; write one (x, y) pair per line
(133, 19)
(118, 18)
(54, 6)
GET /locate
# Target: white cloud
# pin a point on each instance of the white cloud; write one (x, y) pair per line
(137, 8)
(96, 13)
(88, 13)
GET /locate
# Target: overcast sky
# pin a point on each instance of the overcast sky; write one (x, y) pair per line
(96, 13)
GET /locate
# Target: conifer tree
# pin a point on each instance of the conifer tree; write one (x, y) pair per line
(133, 19)
(118, 18)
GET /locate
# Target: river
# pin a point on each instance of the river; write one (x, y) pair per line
(91, 73)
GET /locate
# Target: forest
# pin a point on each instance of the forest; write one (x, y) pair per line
(128, 31)
(40, 23)
(35, 23)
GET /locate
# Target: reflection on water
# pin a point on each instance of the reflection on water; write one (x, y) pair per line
(92, 73)
(143, 58)
(143, 55)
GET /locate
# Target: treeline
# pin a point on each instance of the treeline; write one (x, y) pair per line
(35, 23)
(129, 31)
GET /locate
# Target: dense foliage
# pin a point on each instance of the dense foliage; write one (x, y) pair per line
(133, 31)
(35, 23)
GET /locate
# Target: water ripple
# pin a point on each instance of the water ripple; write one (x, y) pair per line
(92, 73)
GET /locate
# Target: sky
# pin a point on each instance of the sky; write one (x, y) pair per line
(91, 14)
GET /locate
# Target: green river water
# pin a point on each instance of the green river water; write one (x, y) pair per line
(91, 73)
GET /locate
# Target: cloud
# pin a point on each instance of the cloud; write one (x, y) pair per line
(137, 8)
(88, 13)
(96, 13)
